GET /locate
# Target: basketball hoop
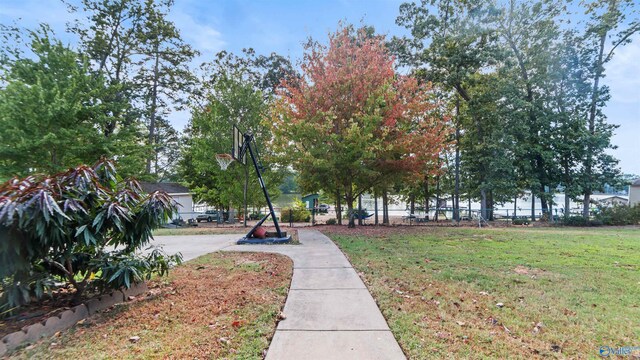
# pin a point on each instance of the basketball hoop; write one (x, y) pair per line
(224, 160)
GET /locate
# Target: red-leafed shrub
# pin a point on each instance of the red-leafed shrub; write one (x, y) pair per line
(73, 226)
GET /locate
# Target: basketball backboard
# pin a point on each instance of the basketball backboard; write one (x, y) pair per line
(238, 141)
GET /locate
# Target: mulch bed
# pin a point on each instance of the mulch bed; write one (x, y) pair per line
(222, 305)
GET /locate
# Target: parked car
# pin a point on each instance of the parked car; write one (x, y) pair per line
(208, 216)
(323, 208)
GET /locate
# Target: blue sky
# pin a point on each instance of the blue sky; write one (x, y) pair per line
(282, 26)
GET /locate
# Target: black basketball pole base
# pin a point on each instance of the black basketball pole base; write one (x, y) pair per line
(279, 237)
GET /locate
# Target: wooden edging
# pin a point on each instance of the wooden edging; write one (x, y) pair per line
(68, 318)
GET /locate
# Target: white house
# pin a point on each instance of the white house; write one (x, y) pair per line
(634, 193)
(178, 192)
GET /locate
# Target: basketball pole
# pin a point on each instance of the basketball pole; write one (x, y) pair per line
(248, 138)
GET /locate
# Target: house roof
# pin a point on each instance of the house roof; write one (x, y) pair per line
(636, 183)
(614, 197)
(310, 196)
(169, 188)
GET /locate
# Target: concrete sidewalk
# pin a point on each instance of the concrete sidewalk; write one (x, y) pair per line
(329, 311)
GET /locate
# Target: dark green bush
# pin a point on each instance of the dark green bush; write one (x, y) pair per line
(357, 213)
(331, 221)
(520, 221)
(256, 216)
(298, 212)
(619, 215)
(298, 215)
(66, 225)
(581, 221)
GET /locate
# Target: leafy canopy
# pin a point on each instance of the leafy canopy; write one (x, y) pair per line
(350, 122)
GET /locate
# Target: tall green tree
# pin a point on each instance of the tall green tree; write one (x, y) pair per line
(232, 98)
(109, 35)
(163, 77)
(51, 110)
(453, 44)
(608, 29)
(529, 31)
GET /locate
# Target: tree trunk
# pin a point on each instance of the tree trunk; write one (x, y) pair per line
(533, 207)
(375, 205)
(360, 210)
(567, 204)
(456, 196)
(338, 207)
(543, 200)
(412, 204)
(592, 125)
(437, 197)
(426, 196)
(483, 204)
(385, 208)
(154, 104)
(490, 205)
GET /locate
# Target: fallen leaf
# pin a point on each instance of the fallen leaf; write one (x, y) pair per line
(281, 316)
(461, 323)
(500, 305)
(134, 339)
(569, 312)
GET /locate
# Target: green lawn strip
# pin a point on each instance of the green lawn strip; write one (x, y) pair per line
(184, 323)
(439, 289)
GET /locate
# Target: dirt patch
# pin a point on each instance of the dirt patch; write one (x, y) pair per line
(222, 305)
(523, 270)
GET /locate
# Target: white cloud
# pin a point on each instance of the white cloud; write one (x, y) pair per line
(32, 12)
(202, 37)
(623, 73)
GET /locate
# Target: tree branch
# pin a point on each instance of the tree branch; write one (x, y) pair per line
(630, 32)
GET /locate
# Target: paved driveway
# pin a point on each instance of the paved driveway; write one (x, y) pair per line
(192, 246)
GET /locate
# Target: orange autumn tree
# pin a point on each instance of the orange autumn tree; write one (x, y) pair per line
(350, 123)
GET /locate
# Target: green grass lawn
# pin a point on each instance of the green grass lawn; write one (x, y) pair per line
(565, 292)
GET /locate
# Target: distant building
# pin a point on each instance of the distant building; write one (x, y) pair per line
(614, 200)
(634, 193)
(311, 200)
(179, 193)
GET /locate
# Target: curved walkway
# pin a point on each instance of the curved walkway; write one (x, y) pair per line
(329, 311)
